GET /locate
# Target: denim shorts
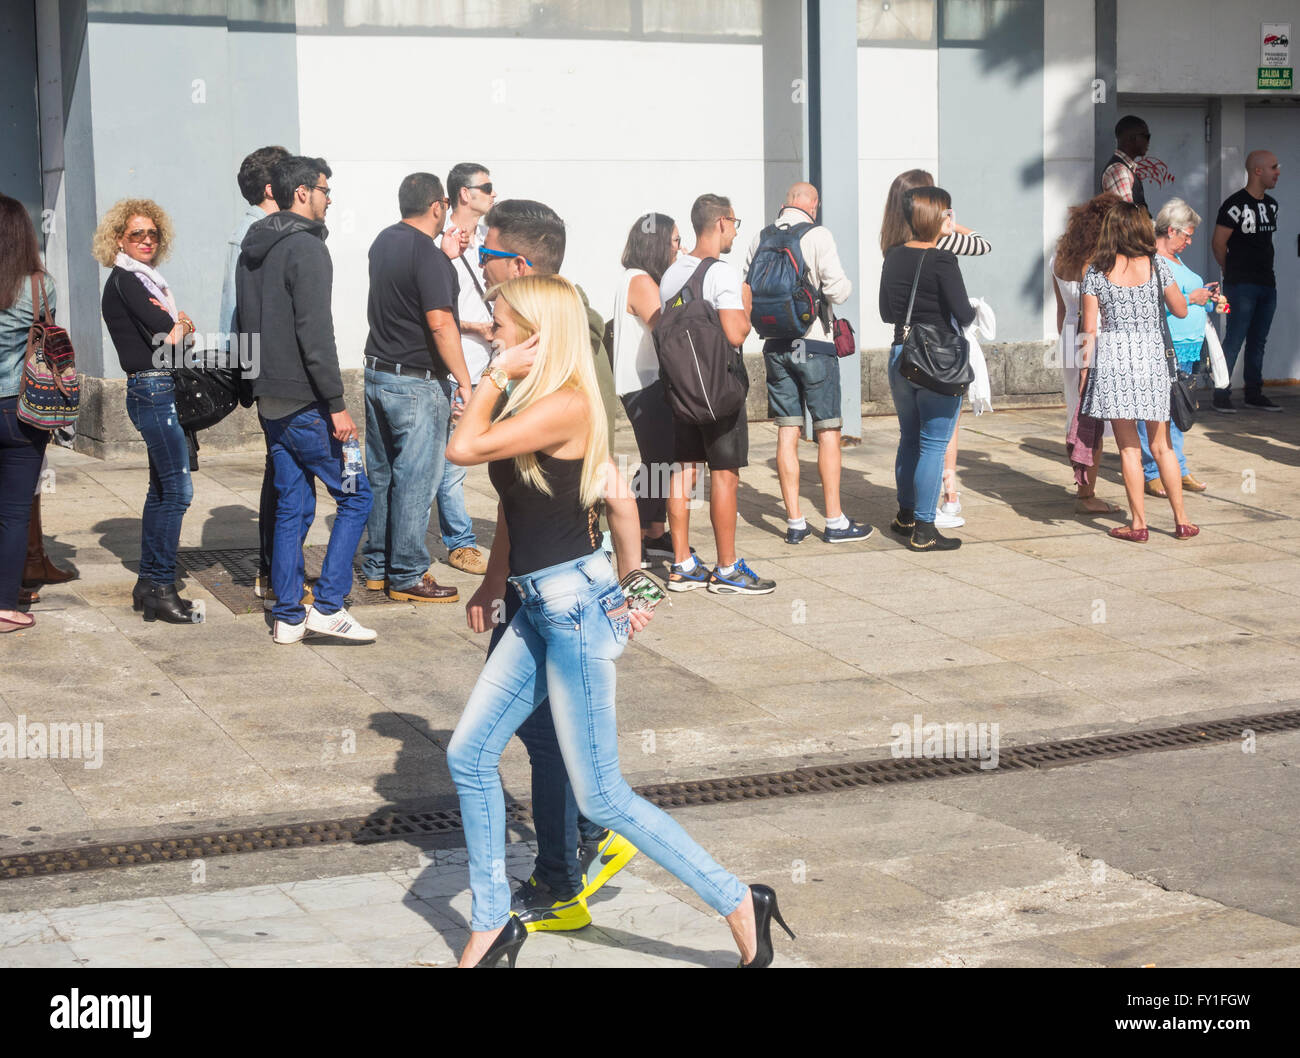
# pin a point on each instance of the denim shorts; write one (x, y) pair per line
(803, 374)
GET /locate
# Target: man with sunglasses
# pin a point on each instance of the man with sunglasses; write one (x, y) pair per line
(283, 287)
(469, 187)
(414, 343)
(574, 856)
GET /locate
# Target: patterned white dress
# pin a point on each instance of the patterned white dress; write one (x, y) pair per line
(1129, 379)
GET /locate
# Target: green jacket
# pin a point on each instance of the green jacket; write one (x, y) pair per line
(604, 373)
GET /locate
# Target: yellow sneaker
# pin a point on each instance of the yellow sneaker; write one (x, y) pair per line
(602, 859)
(539, 909)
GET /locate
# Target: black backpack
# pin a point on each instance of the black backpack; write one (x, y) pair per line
(702, 372)
(785, 299)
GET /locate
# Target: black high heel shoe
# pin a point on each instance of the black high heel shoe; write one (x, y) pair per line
(143, 588)
(508, 942)
(162, 601)
(765, 910)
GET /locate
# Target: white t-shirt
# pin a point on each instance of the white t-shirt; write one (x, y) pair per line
(636, 364)
(470, 305)
(721, 285)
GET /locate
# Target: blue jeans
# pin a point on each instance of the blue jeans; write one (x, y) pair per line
(151, 405)
(1252, 315)
(926, 421)
(303, 448)
(1149, 468)
(406, 447)
(573, 626)
(453, 519)
(22, 448)
(559, 826)
(266, 512)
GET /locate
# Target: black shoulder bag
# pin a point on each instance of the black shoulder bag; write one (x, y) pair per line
(934, 357)
(1182, 405)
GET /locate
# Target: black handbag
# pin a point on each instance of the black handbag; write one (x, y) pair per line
(1182, 404)
(934, 357)
(205, 394)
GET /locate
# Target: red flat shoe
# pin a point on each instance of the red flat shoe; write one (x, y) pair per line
(1123, 532)
(1186, 532)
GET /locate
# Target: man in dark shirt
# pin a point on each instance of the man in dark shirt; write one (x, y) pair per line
(283, 286)
(414, 342)
(1243, 246)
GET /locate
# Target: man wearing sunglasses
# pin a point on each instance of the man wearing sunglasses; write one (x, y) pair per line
(469, 187)
(574, 856)
(283, 288)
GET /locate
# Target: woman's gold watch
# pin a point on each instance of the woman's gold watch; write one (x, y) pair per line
(499, 379)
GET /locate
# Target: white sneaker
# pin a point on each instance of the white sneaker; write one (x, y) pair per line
(949, 515)
(286, 633)
(341, 625)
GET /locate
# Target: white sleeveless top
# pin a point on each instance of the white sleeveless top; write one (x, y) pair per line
(636, 364)
(1069, 328)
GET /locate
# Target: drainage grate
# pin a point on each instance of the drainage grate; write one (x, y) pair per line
(229, 573)
(822, 779)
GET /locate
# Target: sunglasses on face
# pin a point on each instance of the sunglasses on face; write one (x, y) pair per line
(485, 188)
(142, 234)
(485, 255)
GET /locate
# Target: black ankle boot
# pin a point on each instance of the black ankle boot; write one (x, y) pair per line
(162, 601)
(144, 587)
(925, 537)
(904, 522)
(508, 943)
(765, 910)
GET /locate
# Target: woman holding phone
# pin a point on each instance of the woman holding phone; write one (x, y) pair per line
(548, 455)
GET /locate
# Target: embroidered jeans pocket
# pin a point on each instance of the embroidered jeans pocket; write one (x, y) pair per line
(620, 616)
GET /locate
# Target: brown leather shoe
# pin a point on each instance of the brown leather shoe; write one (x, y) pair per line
(425, 590)
(1155, 488)
(468, 560)
(1190, 484)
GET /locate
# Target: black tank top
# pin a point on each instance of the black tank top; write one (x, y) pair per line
(545, 530)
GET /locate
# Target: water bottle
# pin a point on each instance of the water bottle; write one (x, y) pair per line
(352, 465)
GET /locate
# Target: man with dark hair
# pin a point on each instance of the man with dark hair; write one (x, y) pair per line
(414, 342)
(283, 286)
(254, 181)
(723, 445)
(574, 856)
(469, 187)
(1132, 140)
(524, 237)
(1243, 247)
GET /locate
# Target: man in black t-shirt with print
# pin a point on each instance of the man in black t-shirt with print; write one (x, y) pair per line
(1243, 246)
(414, 342)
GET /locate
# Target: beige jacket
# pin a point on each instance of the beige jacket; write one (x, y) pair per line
(823, 261)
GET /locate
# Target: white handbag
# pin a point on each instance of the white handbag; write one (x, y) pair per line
(1218, 365)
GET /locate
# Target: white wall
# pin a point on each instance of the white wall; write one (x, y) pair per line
(1201, 46)
(602, 131)
(898, 129)
(1069, 65)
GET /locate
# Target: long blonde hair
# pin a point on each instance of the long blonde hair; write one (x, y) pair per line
(550, 306)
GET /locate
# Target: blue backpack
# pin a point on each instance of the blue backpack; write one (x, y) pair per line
(785, 299)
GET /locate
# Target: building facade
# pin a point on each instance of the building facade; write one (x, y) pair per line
(607, 109)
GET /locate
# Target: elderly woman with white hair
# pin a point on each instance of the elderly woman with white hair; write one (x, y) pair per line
(1175, 225)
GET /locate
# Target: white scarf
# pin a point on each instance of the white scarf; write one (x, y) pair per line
(152, 280)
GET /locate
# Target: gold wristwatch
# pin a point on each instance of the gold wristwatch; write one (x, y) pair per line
(499, 379)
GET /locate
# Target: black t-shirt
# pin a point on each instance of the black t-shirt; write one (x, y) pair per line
(1250, 246)
(940, 294)
(409, 276)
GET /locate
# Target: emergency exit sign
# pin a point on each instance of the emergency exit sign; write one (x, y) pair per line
(1276, 77)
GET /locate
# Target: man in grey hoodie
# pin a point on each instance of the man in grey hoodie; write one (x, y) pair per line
(283, 285)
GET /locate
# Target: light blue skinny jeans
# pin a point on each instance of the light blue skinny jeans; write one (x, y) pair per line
(563, 643)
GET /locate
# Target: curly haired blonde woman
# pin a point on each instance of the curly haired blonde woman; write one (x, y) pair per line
(548, 456)
(140, 312)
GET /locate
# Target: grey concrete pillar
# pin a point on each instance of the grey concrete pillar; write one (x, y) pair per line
(1107, 107)
(835, 133)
